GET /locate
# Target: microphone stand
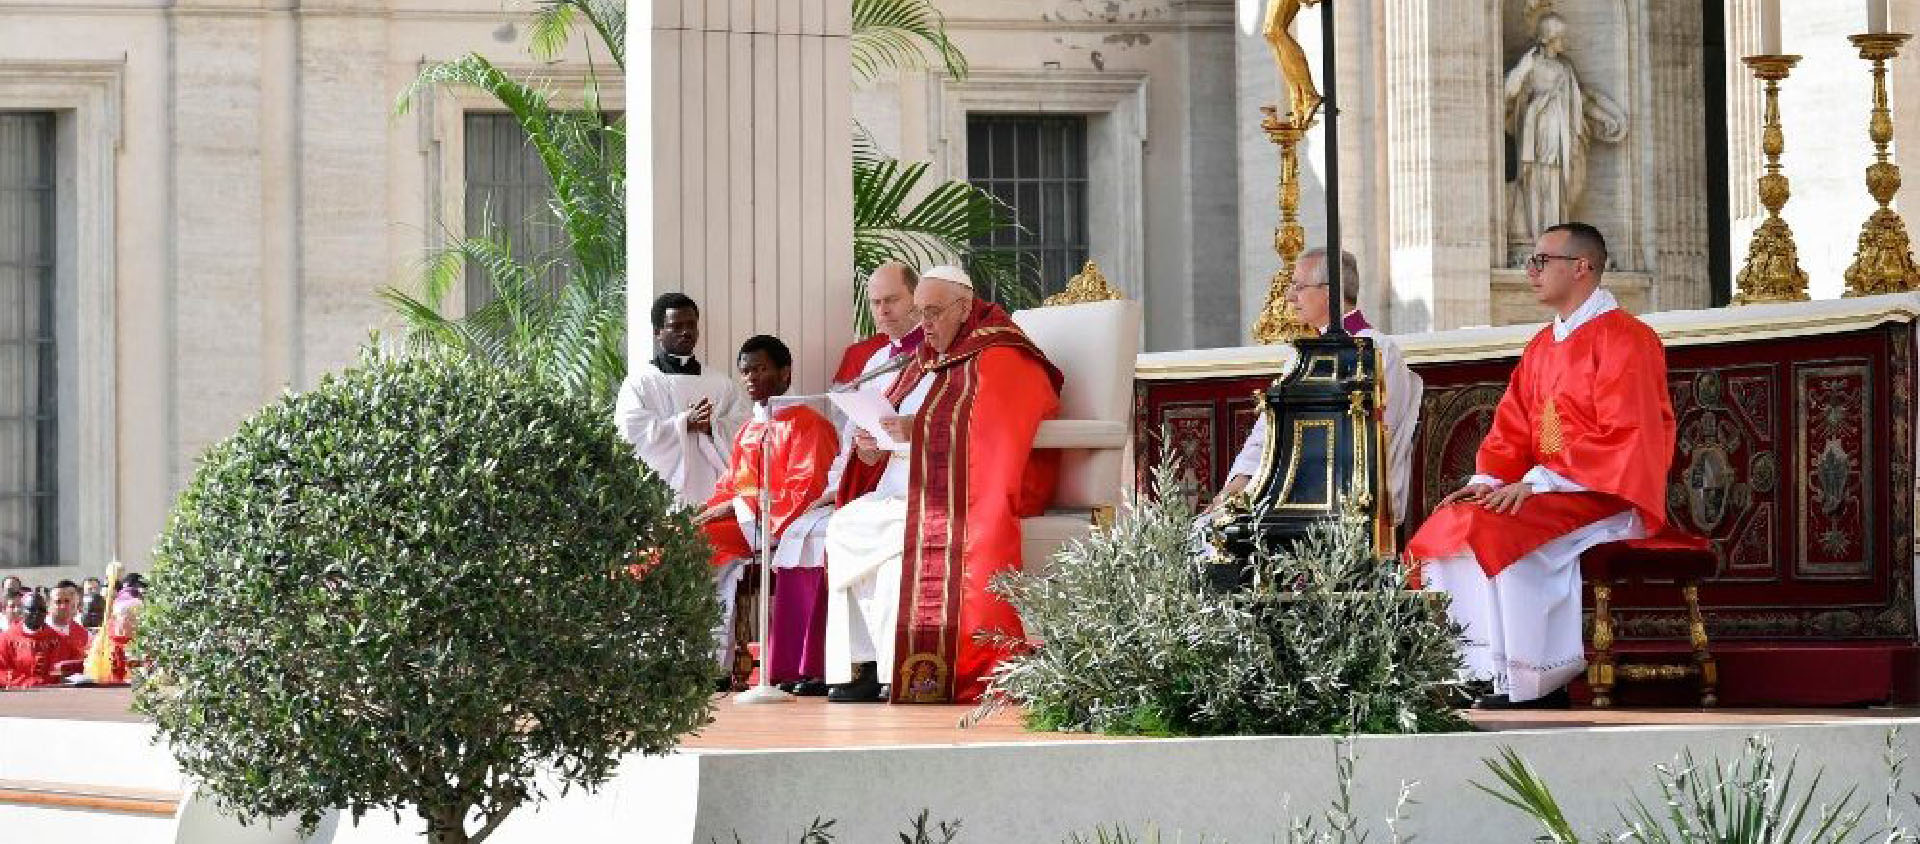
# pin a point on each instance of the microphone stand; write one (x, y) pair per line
(765, 691)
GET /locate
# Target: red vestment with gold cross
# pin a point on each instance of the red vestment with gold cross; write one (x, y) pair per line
(1593, 408)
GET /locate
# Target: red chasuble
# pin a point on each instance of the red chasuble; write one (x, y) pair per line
(1593, 408)
(800, 446)
(974, 475)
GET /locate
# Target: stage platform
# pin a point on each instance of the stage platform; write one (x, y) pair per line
(765, 771)
(814, 724)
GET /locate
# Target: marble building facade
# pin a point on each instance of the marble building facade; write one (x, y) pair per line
(1186, 220)
(232, 189)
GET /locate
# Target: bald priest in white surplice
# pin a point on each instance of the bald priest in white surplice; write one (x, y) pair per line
(680, 420)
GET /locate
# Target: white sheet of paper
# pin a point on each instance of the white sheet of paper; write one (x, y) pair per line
(865, 408)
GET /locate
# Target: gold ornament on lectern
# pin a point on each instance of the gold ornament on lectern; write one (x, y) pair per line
(1089, 286)
(1884, 261)
(1278, 322)
(1772, 273)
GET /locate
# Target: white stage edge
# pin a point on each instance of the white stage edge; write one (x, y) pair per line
(1232, 789)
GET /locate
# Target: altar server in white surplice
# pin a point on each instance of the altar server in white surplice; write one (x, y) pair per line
(680, 420)
(1309, 296)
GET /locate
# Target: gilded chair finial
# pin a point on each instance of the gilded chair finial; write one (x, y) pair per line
(1089, 286)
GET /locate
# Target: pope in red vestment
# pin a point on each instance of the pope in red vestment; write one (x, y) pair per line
(972, 398)
(1577, 455)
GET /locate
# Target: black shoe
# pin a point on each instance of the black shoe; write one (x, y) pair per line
(865, 687)
(809, 688)
(1556, 699)
(723, 685)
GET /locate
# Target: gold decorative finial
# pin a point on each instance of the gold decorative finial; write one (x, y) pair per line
(1303, 100)
(1884, 260)
(1089, 286)
(1772, 273)
(1278, 323)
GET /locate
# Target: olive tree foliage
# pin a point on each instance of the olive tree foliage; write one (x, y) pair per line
(425, 585)
(1123, 635)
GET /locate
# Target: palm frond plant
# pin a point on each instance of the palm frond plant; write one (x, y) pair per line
(573, 333)
(1752, 800)
(898, 34)
(900, 214)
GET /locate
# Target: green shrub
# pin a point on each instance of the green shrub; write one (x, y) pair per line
(409, 589)
(1124, 637)
(1753, 800)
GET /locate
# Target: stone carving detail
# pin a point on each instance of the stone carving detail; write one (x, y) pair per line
(1551, 118)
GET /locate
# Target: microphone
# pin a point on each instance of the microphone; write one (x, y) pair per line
(898, 363)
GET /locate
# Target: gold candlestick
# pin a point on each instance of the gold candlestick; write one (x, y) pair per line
(1278, 322)
(1773, 271)
(1884, 260)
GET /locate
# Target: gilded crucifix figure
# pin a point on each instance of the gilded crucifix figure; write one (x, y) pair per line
(1303, 99)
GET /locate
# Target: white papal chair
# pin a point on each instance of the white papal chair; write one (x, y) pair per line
(1094, 344)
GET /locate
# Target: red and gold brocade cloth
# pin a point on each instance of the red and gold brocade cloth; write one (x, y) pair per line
(799, 446)
(974, 475)
(1593, 408)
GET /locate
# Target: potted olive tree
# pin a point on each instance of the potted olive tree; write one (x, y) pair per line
(421, 587)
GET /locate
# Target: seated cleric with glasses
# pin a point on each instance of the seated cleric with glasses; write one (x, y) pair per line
(1309, 294)
(1577, 456)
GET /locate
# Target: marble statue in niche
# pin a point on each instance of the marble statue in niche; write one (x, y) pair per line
(1551, 119)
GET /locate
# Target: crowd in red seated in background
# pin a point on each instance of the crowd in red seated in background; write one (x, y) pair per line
(48, 631)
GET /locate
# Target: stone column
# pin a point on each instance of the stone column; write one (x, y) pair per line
(746, 126)
(1443, 67)
(1675, 205)
(218, 351)
(1210, 174)
(1824, 109)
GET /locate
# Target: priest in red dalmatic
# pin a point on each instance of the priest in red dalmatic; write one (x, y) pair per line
(921, 529)
(1577, 456)
(797, 444)
(33, 653)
